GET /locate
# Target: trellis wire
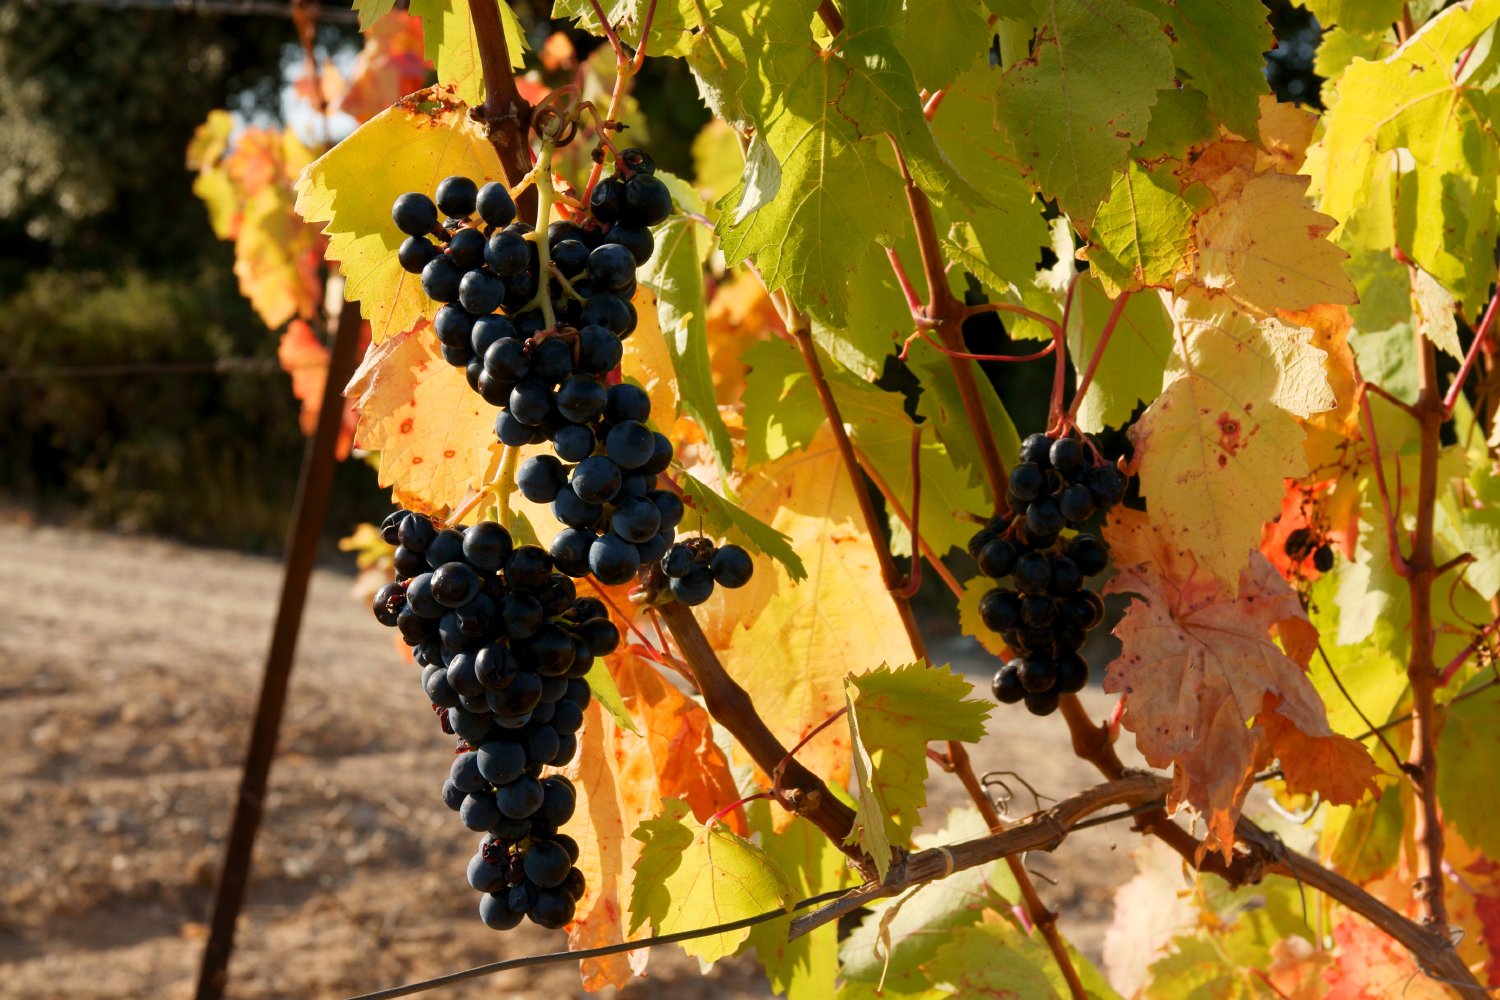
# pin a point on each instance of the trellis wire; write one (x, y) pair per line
(548, 958)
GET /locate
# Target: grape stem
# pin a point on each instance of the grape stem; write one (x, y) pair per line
(505, 484)
(545, 195)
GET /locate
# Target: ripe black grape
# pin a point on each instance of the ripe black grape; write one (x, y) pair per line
(414, 214)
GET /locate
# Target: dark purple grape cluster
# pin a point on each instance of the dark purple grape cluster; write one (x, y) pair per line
(504, 642)
(1304, 542)
(553, 381)
(691, 568)
(1047, 612)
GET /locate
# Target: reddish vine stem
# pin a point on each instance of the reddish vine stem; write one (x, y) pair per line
(802, 791)
(506, 114)
(1420, 669)
(943, 572)
(1115, 312)
(949, 314)
(1481, 334)
(1468, 651)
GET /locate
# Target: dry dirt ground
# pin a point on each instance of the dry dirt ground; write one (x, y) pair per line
(128, 671)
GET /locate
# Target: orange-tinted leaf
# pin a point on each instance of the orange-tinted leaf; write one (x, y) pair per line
(1371, 965)
(739, 314)
(1330, 325)
(305, 359)
(390, 66)
(435, 436)
(622, 778)
(1197, 665)
(1336, 767)
(558, 52)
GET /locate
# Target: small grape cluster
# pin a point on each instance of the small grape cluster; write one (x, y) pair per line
(505, 643)
(691, 568)
(1304, 542)
(1047, 612)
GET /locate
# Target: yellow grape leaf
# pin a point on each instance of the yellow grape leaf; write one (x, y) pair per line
(791, 645)
(453, 50)
(1213, 449)
(1433, 308)
(648, 362)
(1330, 326)
(1268, 248)
(893, 715)
(1198, 666)
(690, 876)
(411, 146)
(435, 436)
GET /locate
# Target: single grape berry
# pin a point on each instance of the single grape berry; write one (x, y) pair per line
(1032, 574)
(456, 196)
(596, 479)
(1323, 558)
(1035, 449)
(606, 198)
(694, 588)
(1042, 702)
(1007, 684)
(572, 443)
(997, 558)
(613, 560)
(540, 478)
(1037, 673)
(441, 279)
(467, 248)
(647, 201)
(416, 252)
(495, 205)
(1067, 456)
(507, 253)
(1000, 610)
(1043, 517)
(678, 561)
(731, 566)
(1072, 672)
(414, 214)
(1076, 503)
(1027, 482)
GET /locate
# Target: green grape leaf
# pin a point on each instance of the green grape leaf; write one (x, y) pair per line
(835, 199)
(409, 147)
(1479, 522)
(915, 926)
(876, 321)
(1130, 372)
(670, 21)
(449, 44)
(1221, 48)
(893, 714)
(1143, 232)
(720, 517)
(1363, 842)
(1412, 100)
(746, 53)
(1470, 743)
(992, 959)
(607, 694)
(1338, 48)
(812, 864)
(690, 876)
(675, 273)
(939, 38)
(1106, 60)
(1366, 17)
(783, 413)
(1179, 121)
(371, 11)
(942, 404)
